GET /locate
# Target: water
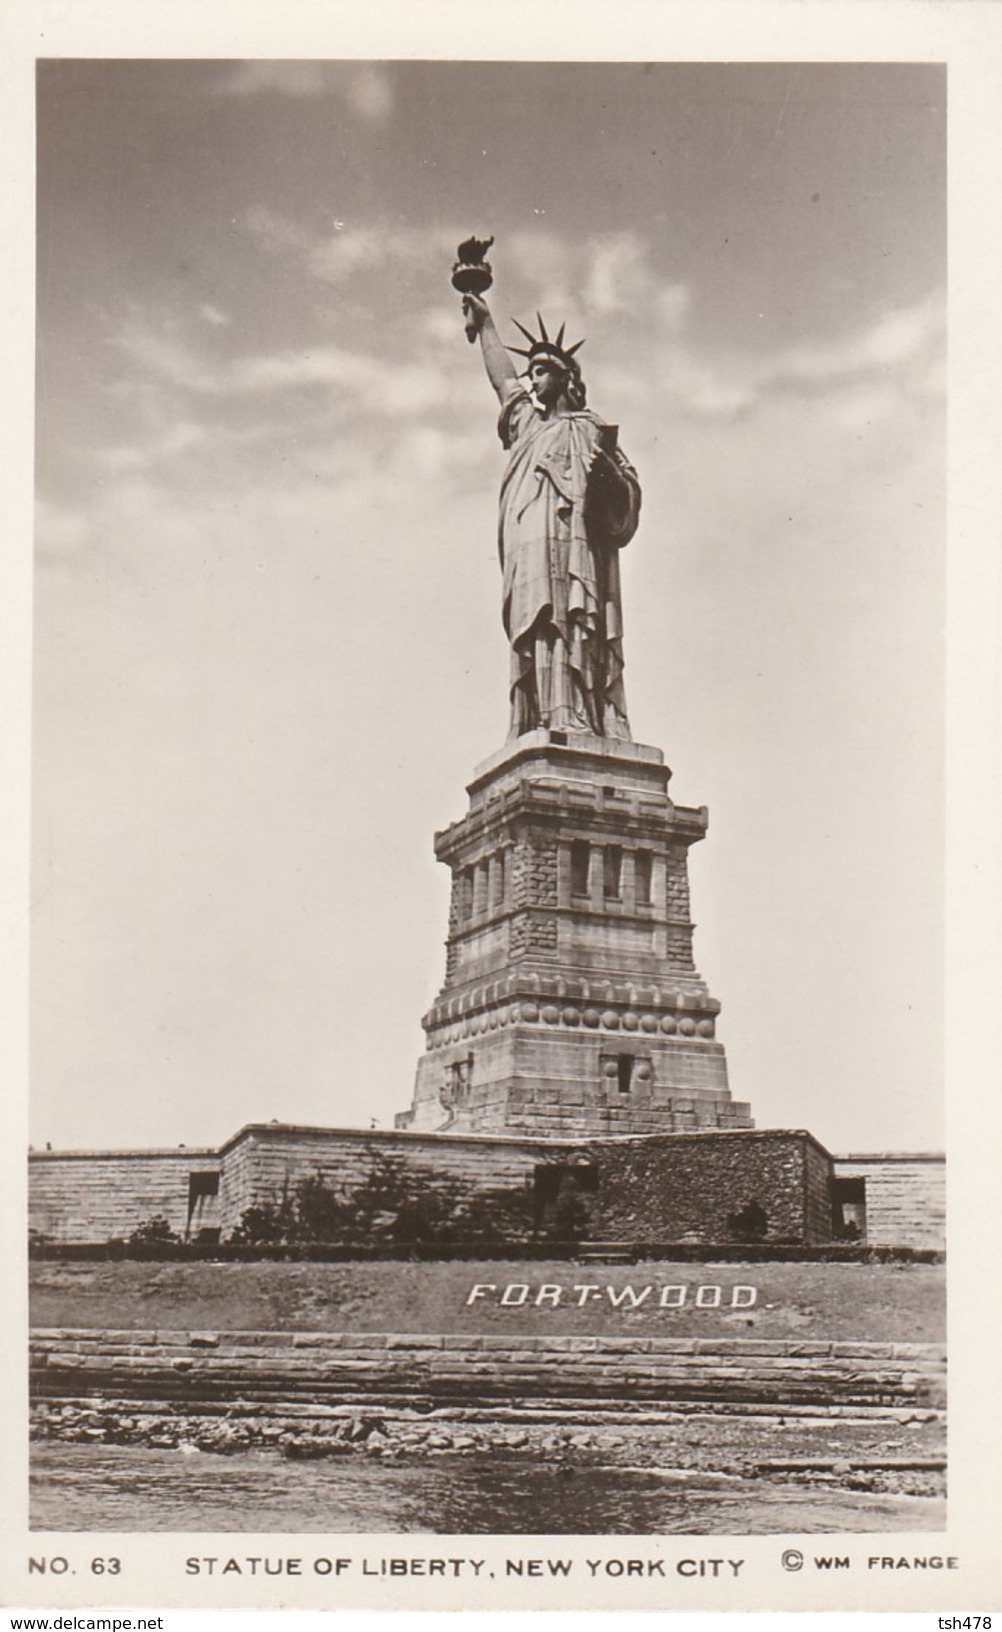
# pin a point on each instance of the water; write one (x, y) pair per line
(119, 1488)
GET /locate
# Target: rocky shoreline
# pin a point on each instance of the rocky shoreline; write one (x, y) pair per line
(901, 1458)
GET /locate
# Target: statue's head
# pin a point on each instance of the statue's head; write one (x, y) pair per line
(552, 368)
(552, 378)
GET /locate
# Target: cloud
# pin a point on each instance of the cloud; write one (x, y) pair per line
(611, 278)
(410, 385)
(892, 342)
(864, 374)
(351, 249)
(277, 232)
(164, 355)
(617, 265)
(608, 276)
(370, 93)
(702, 390)
(541, 258)
(60, 533)
(671, 304)
(367, 89)
(405, 380)
(212, 315)
(382, 387)
(859, 407)
(180, 438)
(440, 324)
(620, 278)
(296, 79)
(361, 249)
(198, 432)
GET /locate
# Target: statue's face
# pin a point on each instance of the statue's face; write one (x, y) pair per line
(546, 380)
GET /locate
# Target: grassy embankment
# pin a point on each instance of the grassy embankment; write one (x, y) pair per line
(901, 1303)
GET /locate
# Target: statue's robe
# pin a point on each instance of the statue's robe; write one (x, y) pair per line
(569, 500)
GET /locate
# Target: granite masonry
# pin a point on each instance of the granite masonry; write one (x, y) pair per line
(571, 1002)
(639, 1188)
(273, 1372)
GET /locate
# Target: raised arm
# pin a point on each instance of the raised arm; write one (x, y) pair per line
(501, 371)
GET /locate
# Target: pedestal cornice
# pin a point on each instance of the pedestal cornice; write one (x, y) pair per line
(565, 752)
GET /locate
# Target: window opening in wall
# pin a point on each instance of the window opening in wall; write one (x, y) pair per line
(584, 1177)
(749, 1223)
(643, 870)
(546, 1188)
(624, 1072)
(613, 871)
(499, 879)
(849, 1209)
(455, 1090)
(200, 1187)
(466, 894)
(558, 1195)
(579, 866)
(203, 1190)
(460, 1072)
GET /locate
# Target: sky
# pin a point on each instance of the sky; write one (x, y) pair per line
(268, 649)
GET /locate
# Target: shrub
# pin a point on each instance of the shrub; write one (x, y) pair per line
(154, 1232)
(317, 1213)
(496, 1217)
(393, 1206)
(264, 1225)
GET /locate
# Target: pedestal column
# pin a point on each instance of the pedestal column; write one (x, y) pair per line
(571, 1002)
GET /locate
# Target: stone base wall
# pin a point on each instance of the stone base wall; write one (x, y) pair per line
(207, 1368)
(818, 1178)
(558, 1075)
(105, 1195)
(660, 1187)
(905, 1197)
(263, 1161)
(665, 1188)
(669, 1187)
(690, 1187)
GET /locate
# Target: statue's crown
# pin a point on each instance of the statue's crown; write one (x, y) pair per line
(543, 346)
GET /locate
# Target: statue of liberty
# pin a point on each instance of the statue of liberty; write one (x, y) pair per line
(570, 500)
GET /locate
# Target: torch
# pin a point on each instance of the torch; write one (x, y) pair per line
(472, 275)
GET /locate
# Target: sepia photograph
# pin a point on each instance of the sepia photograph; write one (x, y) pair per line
(490, 764)
(590, 1255)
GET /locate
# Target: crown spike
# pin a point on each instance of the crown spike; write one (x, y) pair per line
(544, 346)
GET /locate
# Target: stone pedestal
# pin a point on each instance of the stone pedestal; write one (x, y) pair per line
(571, 1003)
